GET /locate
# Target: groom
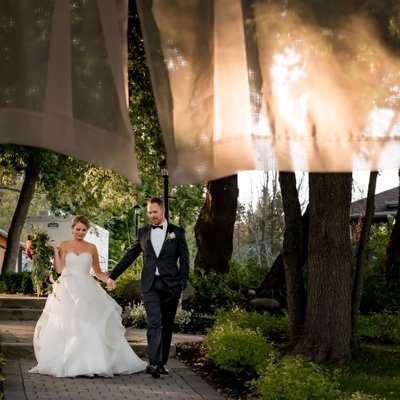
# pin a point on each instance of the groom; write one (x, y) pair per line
(162, 282)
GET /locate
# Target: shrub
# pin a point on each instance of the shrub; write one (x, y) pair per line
(359, 396)
(41, 261)
(295, 378)
(213, 292)
(182, 318)
(130, 275)
(245, 276)
(382, 327)
(237, 349)
(17, 282)
(265, 324)
(135, 315)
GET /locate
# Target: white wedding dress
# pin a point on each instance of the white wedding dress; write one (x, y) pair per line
(80, 331)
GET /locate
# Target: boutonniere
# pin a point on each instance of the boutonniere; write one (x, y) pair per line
(170, 236)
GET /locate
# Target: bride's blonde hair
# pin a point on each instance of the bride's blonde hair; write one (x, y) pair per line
(82, 219)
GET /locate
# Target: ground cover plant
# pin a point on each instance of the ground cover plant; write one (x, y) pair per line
(372, 375)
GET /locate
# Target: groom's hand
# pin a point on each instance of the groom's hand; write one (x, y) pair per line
(110, 284)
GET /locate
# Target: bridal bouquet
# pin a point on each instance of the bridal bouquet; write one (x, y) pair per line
(42, 264)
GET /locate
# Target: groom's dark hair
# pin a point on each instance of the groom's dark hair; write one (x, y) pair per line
(156, 200)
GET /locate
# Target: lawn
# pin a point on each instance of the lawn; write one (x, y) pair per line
(376, 371)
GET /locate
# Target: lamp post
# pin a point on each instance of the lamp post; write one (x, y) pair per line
(137, 209)
(164, 174)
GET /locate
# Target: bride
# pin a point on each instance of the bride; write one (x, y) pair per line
(80, 330)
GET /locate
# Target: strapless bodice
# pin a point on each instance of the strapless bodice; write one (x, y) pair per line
(77, 264)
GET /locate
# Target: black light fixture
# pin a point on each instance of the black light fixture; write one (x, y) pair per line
(164, 174)
(138, 210)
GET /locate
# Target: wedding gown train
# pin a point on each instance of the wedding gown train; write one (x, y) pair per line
(80, 330)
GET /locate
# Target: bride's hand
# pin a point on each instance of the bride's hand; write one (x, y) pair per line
(51, 244)
(110, 284)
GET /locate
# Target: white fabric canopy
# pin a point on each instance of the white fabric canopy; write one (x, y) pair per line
(239, 85)
(63, 80)
(243, 84)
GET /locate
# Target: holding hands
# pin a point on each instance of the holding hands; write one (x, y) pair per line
(110, 284)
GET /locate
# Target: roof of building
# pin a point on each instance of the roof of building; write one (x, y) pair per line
(386, 203)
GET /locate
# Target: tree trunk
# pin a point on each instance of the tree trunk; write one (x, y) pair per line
(327, 329)
(14, 234)
(215, 224)
(392, 254)
(361, 260)
(294, 255)
(275, 279)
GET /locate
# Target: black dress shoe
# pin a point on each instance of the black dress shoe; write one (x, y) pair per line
(162, 370)
(153, 371)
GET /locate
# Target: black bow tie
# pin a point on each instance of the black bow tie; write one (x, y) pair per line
(156, 226)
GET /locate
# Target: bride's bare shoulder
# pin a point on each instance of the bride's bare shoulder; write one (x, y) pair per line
(90, 246)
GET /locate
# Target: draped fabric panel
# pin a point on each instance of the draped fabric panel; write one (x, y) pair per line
(63, 79)
(258, 84)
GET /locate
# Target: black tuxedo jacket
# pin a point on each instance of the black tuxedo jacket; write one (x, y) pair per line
(174, 248)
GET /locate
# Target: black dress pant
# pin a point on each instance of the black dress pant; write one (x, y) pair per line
(161, 303)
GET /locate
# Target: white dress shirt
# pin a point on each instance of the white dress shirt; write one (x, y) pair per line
(157, 237)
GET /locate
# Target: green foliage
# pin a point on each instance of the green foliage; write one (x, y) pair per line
(213, 292)
(376, 296)
(360, 396)
(376, 371)
(42, 265)
(182, 318)
(264, 324)
(135, 315)
(245, 276)
(130, 275)
(379, 240)
(2, 377)
(380, 327)
(295, 378)
(237, 349)
(17, 282)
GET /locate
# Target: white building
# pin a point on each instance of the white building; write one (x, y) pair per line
(59, 229)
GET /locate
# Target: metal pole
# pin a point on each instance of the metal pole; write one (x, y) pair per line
(166, 196)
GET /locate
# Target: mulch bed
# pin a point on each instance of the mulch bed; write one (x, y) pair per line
(230, 385)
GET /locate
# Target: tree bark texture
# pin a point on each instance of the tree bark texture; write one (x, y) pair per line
(215, 224)
(294, 253)
(326, 334)
(361, 260)
(275, 279)
(14, 233)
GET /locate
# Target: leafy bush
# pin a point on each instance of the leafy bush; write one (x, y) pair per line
(245, 276)
(182, 317)
(213, 292)
(135, 315)
(2, 377)
(295, 378)
(382, 327)
(42, 265)
(129, 275)
(360, 396)
(376, 296)
(17, 282)
(237, 349)
(264, 324)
